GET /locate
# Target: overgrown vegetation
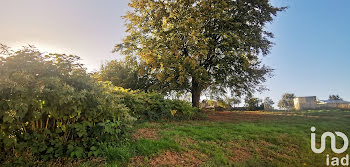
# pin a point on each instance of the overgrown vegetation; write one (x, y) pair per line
(50, 107)
(153, 106)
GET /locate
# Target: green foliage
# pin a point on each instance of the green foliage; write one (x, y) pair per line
(268, 104)
(153, 106)
(50, 107)
(253, 104)
(287, 102)
(182, 110)
(194, 45)
(222, 103)
(129, 74)
(233, 101)
(119, 153)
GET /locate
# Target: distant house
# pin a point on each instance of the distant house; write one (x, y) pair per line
(333, 102)
(305, 103)
(311, 103)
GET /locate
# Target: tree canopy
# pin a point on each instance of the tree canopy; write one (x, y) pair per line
(287, 102)
(128, 74)
(268, 104)
(334, 97)
(253, 103)
(194, 45)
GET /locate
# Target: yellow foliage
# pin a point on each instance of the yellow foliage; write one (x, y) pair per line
(164, 25)
(120, 89)
(173, 112)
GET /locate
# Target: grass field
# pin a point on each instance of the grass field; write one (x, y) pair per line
(231, 139)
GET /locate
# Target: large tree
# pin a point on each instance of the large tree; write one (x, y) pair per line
(193, 45)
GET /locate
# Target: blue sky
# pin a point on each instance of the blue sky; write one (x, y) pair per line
(310, 55)
(311, 52)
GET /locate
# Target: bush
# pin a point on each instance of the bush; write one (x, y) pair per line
(153, 106)
(50, 107)
(129, 74)
(182, 110)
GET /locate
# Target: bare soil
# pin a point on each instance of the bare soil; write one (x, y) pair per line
(146, 133)
(191, 158)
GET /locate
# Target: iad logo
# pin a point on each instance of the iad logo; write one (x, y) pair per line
(335, 161)
(333, 140)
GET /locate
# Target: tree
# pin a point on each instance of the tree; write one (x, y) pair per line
(268, 104)
(233, 101)
(196, 45)
(334, 97)
(287, 101)
(252, 103)
(127, 74)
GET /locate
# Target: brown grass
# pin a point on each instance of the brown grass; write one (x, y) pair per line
(191, 158)
(146, 133)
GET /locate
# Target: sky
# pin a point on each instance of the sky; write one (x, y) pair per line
(310, 55)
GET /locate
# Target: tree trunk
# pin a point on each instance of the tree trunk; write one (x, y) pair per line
(196, 94)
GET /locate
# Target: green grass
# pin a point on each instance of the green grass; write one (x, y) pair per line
(120, 155)
(278, 142)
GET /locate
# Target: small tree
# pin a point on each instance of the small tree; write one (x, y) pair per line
(287, 102)
(334, 97)
(253, 103)
(268, 104)
(233, 101)
(128, 74)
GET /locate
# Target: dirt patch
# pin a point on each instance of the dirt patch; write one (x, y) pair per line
(240, 155)
(186, 142)
(240, 151)
(169, 158)
(65, 162)
(268, 152)
(146, 133)
(247, 116)
(137, 161)
(260, 148)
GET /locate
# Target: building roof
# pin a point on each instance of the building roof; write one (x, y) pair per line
(306, 97)
(335, 101)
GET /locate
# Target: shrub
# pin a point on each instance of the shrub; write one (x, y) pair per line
(129, 73)
(50, 107)
(182, 110)
(153, 106)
